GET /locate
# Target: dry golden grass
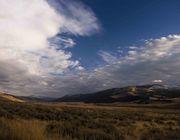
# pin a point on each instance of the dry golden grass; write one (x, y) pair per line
(21, 130)
(25, 130)
(29, 121)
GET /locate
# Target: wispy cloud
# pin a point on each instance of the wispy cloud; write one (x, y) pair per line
(108, 57)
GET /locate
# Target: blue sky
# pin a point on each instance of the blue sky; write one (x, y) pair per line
(60, 47)
(125, 23)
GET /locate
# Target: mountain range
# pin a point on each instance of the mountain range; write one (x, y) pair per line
(130, 94)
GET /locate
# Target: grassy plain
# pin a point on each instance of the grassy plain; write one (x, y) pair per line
(78, 121)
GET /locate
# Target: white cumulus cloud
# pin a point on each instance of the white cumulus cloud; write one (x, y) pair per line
(32, 45)
(30, 33)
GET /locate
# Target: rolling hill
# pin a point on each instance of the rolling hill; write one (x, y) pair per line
(130, 94)
(8, 97)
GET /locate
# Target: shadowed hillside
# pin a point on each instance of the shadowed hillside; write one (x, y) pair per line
(136, 94)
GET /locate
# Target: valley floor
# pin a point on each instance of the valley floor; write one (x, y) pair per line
(77, 121)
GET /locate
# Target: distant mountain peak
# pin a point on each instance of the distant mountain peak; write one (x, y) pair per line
(143, 93)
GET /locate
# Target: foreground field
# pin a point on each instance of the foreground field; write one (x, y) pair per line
(30, 121)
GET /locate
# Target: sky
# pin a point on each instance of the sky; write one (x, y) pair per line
(59, 47)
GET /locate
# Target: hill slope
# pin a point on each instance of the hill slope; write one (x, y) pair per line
(138, 94)
(8, 97)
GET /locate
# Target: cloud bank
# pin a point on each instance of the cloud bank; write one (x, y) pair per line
(29, 32)
(31, 42)
(34, 59)
(155, 60)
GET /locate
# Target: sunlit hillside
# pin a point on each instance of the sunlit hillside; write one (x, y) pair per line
(9, 97)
